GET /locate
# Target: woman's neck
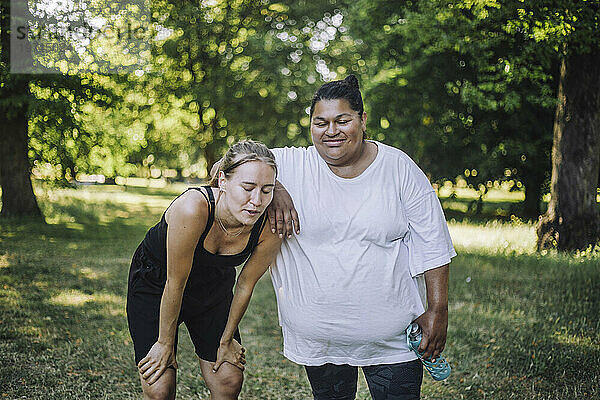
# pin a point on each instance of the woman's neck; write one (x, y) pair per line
(224, 217)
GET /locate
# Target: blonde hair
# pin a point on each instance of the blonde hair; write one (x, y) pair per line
(241, 153)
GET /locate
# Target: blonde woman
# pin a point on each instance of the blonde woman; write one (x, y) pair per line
(184, 271)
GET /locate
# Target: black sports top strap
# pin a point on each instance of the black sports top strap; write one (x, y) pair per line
(256, 231)
(211, 197)
(211, 210)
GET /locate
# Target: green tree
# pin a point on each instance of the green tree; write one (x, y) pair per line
(499, 113)
(40, 108)
(572, 29)
(18, 198)
(210, 61)
(460, 92)
(245, 68)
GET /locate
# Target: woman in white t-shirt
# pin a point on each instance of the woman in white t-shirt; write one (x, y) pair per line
(373, 240)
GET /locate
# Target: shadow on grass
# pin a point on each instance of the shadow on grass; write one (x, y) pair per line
(62, 331)
(523, 324)
(81, 220)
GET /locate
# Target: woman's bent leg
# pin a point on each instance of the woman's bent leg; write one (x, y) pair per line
(225, 384)
(163, 388)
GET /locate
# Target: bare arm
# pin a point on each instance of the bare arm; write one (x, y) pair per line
(263, 255)
(434, 322)
(184, 229)
(282, 213)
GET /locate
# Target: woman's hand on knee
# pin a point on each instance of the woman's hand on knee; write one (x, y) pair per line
(158, 359)
(231, 352)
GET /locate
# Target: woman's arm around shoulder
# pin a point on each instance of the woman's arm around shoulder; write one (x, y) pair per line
(282, 214)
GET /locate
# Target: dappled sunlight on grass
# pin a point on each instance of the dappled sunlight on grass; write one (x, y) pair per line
(518, 318)
(70, 297)
(493, 194)
(565, 337)
(112, 194)
(494, 237)
(101, 206)
(75, 226)
(519, 322)
(93, 273)
(10, 296)
(112, 303)
(4, 261)
(29, 330)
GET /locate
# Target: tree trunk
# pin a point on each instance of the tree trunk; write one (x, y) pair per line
(18, 198)
(533, 195)
(210, 155)
(212, 148)
(572, 220)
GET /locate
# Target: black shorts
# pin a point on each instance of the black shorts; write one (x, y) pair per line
(205, 326)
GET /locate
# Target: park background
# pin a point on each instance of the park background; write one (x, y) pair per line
(109, 109)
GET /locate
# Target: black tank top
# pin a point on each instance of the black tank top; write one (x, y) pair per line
(212, 276)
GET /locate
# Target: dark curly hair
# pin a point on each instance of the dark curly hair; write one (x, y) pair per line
(346, 89)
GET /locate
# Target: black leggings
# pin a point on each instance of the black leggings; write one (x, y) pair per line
(400, 381)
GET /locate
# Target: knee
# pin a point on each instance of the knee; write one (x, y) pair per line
(227, 381)
(159, 392)
(163, 389)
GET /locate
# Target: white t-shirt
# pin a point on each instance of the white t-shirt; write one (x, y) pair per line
(347, 285)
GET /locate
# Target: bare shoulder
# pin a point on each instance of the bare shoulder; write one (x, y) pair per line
(190, 209)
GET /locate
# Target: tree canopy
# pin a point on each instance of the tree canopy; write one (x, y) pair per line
(467, 88)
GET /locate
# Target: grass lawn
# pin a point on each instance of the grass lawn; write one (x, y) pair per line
(522, 325)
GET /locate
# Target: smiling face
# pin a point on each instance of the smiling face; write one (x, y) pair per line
(248, 192)
(337, 132)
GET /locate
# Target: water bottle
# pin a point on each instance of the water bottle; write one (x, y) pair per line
(438, 369)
